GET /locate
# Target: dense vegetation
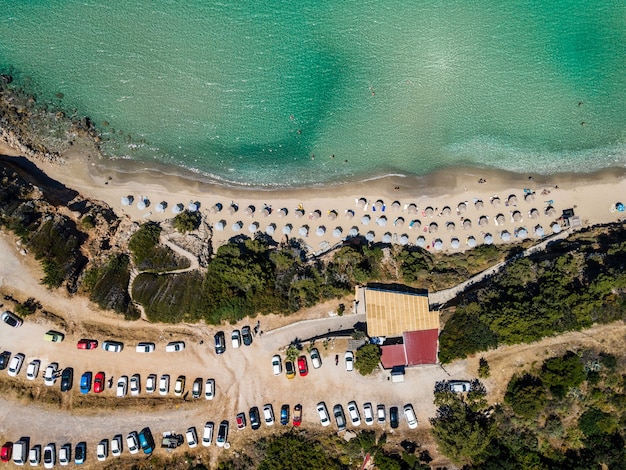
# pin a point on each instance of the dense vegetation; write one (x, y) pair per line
(367, 358)
(149, 255)
(568, 413)
(187, 221)
(574, 284)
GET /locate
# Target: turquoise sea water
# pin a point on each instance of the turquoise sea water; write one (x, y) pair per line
(264, 92)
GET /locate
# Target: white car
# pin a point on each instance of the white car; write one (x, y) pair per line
(409, 414)
(132, 442)
(145, 347)
(236, 339)
(368, 414)
(135, 387)
(192, 437)
(209, 389)
(116, 445)
(268, 414)
(349, 356)
(353, 411)
(175, 346)
(122, 385)
(112, 346)
(322, 411)
(65, 454)
(207, 436)
(179, 386)
(34, 455)
(277, 365)
(16, 364)
(316, 360)
(151, 383)
(102, 450)
(380, 413)
(50, 376)
(49, 455)
(32, 371)
(164, 384)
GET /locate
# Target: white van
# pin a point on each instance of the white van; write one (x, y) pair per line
(20, 452)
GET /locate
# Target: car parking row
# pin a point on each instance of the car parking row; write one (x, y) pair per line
(368, 415)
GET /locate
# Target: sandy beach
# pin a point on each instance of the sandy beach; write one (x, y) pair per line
(450, 210)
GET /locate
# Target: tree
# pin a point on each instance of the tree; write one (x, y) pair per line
(483, 368)
(367, 358)
(526, 395)
(563, 373)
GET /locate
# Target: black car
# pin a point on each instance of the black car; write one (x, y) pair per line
(5, 357)
(80, 453)
(67, 377)
(255, 420)
(284, 415)
(393, 416)
(220, 342)
(222, 434)
(246, 335)
(340, 417)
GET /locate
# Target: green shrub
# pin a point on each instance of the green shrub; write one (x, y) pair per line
(526, 395)
(367, 358)
(187, 221)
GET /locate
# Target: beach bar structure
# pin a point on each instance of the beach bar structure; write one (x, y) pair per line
(400, 319)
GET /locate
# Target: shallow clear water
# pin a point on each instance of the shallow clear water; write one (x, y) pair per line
(265, 92)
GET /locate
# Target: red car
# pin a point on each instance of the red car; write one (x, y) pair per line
(302, 367)
(87, 344)
(241, 421)
(6, 452)
(98, 382)
(297, 414)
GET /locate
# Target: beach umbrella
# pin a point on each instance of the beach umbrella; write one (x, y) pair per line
(126, 201)
(471, 242)
(446, 211)
(454, 243)
(266, 211)
(332, 215)
(512, 199)
(337, 232)
(433, 227)
(467, 224)
(412, 209)
(215, 208)
(365, 220)
(421, 241)
(283, 212)
(488, 239)
(556, 228)
(517, 216)
(619, 207)
(253, 227)
(415, 224)
(478, 204)
(529, 197)
(505, 236)
(462, 207)
(303, 231)
(539, 231)
(381, 221)
(299, 212)
(550, 212)
(361, 203)
(321, 230)
(533, 214)
(395, 205)
(438, 245)
(237, 226)
(287, 229)
(193, 206)
(270, 229)
(161, 206)
(399, 222)
(379, 205)
(483, 220)
(249, 211)
(500, 219)
(354, 231)
(219, 226)
(521, 233)
(233, 208)
(429, 211)
(142, 204)
(370, 236)
(349, 213)
(404, 239)
(450, 226)
(177, 209)
(316, 214)
(495, 201)
(387, 238)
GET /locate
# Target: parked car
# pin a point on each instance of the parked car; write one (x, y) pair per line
(175, 346)
(459, 386)
(33, 369)
(268, 414)
(241, 421)
(6, 451)
(67, 379)
(235, 339)
(393, 417)
(98, 382)
(246, 335)
(322, 411)
(85, 383)
(87, 344)
(209, 389)
(277, 365)
(135, 385)
(297, 415)
(353, 411)
(122, 386)
(49, 455)
(340, 417)
(16, 364)
(284, 415)
(50, 376)
(380, 413)
(409, 414)
(20, 452)
(80, 453)
(207, 436)
(302, 366)
(11, 319)
(222, 434)
(290, 370)
(368, 414)
(65, 454)
(5, 357)
(196, 388)
(146, 441)
(192, 437)
(113, 346)
(102, 450)
(132, 442)
(151, 383)
(164, 384)
(316, 360)
(255, 420)
(54, 336)
(34, 455)
(220, 342)
(349, 357)
(145, 347)
(179, 386)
